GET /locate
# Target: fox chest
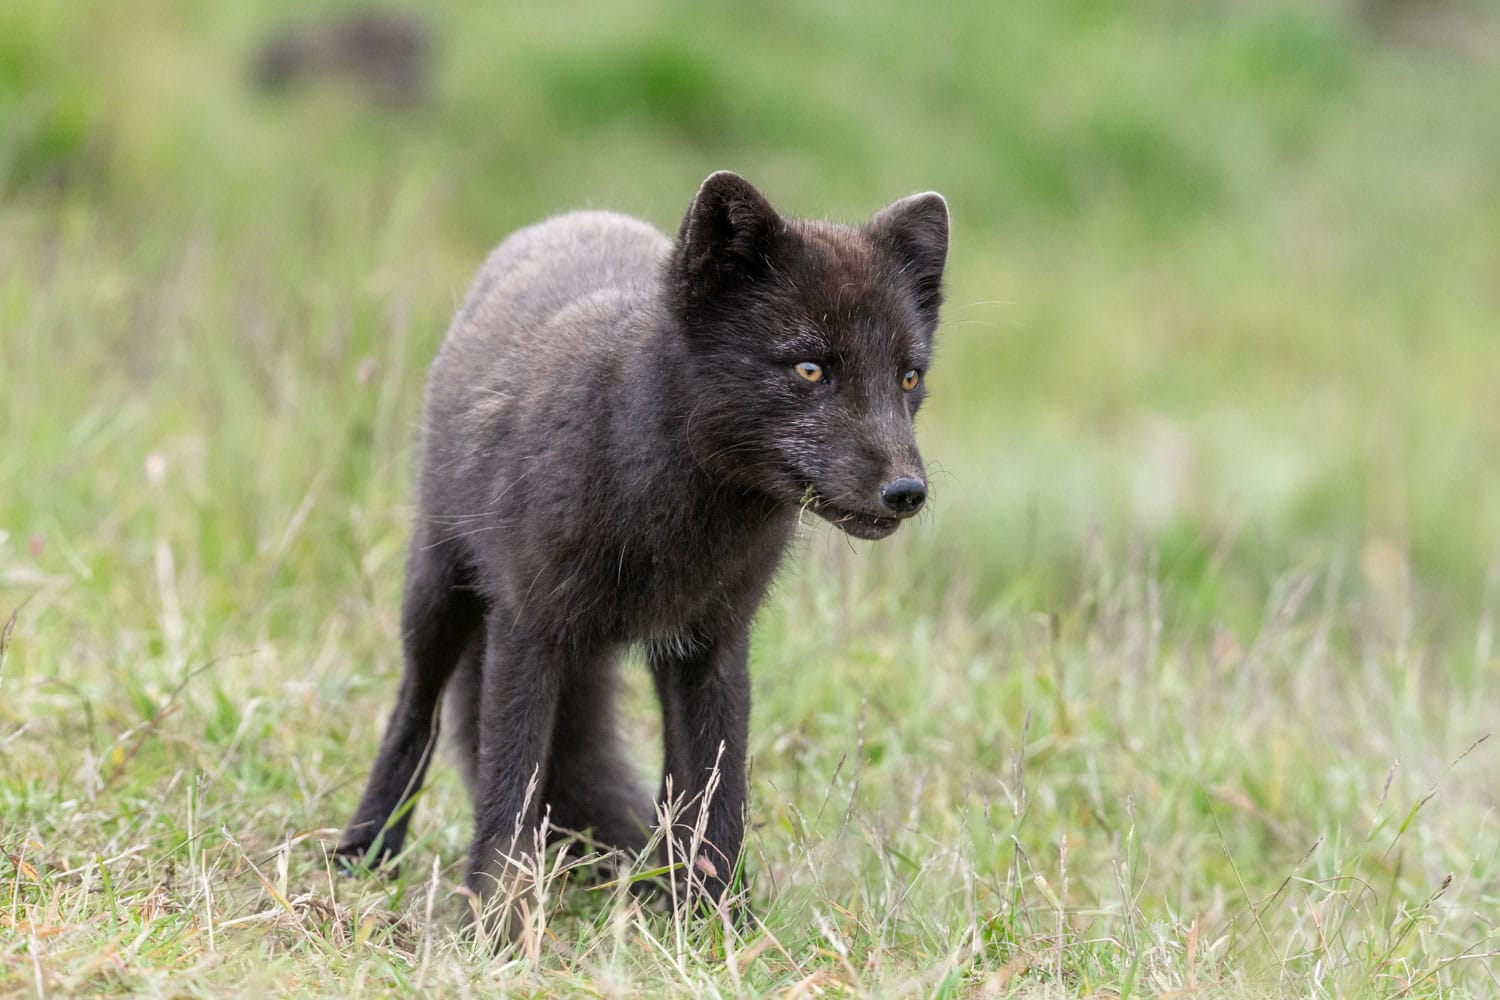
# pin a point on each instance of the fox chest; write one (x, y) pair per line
(666, 588)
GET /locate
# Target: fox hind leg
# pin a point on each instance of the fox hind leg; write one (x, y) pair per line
(439, 614)
(591, 785)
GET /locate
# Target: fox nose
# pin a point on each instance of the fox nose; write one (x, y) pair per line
(905, 495)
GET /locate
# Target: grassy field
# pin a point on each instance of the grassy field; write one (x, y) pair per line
(1184, 688)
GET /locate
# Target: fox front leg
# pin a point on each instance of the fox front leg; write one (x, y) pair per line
(520, 688)
(705, 700)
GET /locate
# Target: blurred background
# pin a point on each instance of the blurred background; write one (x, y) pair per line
(1223, 292)
(1205, 599)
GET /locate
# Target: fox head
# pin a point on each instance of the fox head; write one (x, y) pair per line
(806, 349)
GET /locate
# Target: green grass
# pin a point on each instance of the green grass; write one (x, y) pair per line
(1183, 687)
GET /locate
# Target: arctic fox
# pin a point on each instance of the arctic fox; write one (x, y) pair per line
(620, 433)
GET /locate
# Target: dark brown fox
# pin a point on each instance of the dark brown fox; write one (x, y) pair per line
(620, 433)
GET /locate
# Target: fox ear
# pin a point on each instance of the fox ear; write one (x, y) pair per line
(726, 236)
(914, 231)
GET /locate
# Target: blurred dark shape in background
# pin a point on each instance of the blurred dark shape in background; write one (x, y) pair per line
(1450, 26)
(386, 55)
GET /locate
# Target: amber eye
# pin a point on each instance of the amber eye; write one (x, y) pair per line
(810, 370)
(910, 379)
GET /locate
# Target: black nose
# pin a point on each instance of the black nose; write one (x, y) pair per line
(904, 496)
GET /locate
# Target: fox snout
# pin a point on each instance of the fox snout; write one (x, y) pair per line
(870, 510)
(872, 477)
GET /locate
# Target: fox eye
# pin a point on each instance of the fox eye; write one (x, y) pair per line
(810, 370)
(910, 379)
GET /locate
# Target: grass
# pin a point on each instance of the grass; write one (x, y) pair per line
(1087, 801)
(1184, 687)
